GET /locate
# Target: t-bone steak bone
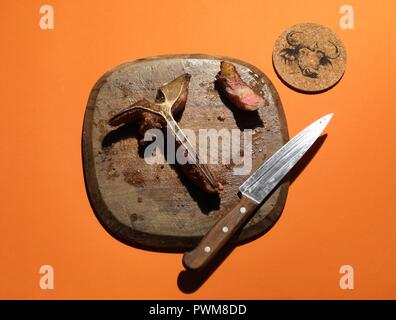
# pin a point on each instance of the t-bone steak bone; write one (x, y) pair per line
(170, 101)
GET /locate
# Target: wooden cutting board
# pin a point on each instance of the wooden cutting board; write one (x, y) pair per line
(153, 206)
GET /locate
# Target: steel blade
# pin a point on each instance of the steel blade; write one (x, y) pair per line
(260, 184)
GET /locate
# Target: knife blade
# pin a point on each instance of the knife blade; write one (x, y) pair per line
(253, 192)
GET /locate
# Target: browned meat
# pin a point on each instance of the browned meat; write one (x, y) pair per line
(236, 90)
(197, 178)
(175, 93)
(135, 113)
(144, 120)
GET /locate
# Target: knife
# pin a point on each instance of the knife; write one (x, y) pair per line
(253, 192)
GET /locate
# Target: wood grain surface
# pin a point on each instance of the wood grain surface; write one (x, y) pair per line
(219, 235)
(153, 206)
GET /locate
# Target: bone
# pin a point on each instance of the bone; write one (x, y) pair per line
(170, 100)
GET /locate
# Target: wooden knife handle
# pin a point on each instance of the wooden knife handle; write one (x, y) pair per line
(219, 234)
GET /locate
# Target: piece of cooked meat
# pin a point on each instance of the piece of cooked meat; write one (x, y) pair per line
(144, 120)
(136, 113)
(195, 176)
(236, 90)
(174, 92)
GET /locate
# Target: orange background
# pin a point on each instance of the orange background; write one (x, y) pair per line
(340, 210)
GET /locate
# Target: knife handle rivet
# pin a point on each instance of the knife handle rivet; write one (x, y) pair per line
(242, 210)
(225, 229)
(207, 249)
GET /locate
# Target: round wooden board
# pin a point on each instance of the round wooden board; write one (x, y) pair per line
(153, 206)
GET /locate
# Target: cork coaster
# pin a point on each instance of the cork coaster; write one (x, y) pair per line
(309, 57)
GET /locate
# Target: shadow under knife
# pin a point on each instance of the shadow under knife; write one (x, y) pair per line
(190, 281)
